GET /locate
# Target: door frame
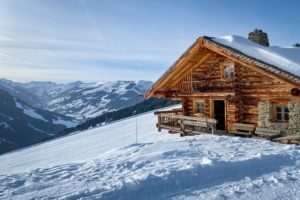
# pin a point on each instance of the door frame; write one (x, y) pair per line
(212, 110)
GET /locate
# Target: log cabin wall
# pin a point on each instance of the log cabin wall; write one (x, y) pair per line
(256, 87)
(249, 88)
(191, 105)
(207, 78)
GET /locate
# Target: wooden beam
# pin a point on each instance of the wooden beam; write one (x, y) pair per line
(184, 59)
(206, 94)
(186, 69)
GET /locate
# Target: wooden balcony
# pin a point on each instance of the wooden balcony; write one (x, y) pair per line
(175, 122)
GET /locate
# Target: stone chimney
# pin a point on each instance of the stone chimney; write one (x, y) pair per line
(259, 37)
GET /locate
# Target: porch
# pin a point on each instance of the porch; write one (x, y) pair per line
(175, 122)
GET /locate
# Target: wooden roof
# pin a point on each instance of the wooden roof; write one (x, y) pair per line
(202, 49)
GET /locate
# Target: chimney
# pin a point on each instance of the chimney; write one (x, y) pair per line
(259, 37)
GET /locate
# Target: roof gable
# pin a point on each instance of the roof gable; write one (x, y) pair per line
(286, 59)
(242, 50)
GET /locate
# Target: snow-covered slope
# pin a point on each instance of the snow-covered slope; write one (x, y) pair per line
(285, 58)
(105, 163)
(78, 100)
(22, 125)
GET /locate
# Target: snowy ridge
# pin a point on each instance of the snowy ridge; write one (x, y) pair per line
(88, 100)
(105, 163)
(79, 100)
(288, 59)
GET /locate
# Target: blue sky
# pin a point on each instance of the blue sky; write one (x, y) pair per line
(101, 40)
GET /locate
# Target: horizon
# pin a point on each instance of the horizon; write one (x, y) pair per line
(65, 83)
(124, 40)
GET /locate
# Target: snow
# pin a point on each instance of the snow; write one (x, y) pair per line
(118, 87)
(144, 85)
(66, 123)
(36, 129)
(87, 100)
(6, 116)
(6, 126)
(29, 111)
(285, 58)
(106, 163)
(124, 98)
(2, 140)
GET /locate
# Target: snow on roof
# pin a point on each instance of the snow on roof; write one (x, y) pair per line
(284, 58)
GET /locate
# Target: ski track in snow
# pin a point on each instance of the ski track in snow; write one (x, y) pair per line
(105, 163)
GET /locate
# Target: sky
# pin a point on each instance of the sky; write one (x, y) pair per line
(106, 40)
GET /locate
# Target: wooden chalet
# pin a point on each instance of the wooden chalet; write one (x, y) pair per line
(232, 85)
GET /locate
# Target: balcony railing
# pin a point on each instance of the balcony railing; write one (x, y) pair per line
(174, 121)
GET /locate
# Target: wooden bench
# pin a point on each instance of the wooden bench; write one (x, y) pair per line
(290, 139)
(243, 129)
(190, 123)
(267, 133)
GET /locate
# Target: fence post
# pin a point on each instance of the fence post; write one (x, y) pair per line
(182, 128)
(213, 131)
(159, 123)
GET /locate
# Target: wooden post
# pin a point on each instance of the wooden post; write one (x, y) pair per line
(213, 131)
(159, 123)
(185, 110)
(182, 128)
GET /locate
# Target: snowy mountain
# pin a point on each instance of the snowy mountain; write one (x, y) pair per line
(106, 163)
(15, 89)
(79, 100)
(88, 100)
(22, 125)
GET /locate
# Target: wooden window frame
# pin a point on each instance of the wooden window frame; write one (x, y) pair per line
(282, 112)
(195, 106)
(230, 66)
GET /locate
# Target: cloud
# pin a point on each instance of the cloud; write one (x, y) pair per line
(91, 19)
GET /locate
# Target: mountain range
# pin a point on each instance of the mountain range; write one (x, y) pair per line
(35, 111)
(78, 100)
(22, 125)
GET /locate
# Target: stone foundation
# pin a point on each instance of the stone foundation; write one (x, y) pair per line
(266, 119)
(282, 126)
(294, 115)
(264, 114)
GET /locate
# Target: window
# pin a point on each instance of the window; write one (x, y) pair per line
(228, 71)
(282, 113)
(286, 113)
(231, 71)
(199, 106)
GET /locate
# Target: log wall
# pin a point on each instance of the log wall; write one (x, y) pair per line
(249, 87)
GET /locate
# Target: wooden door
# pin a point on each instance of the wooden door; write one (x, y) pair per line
(219, 114)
